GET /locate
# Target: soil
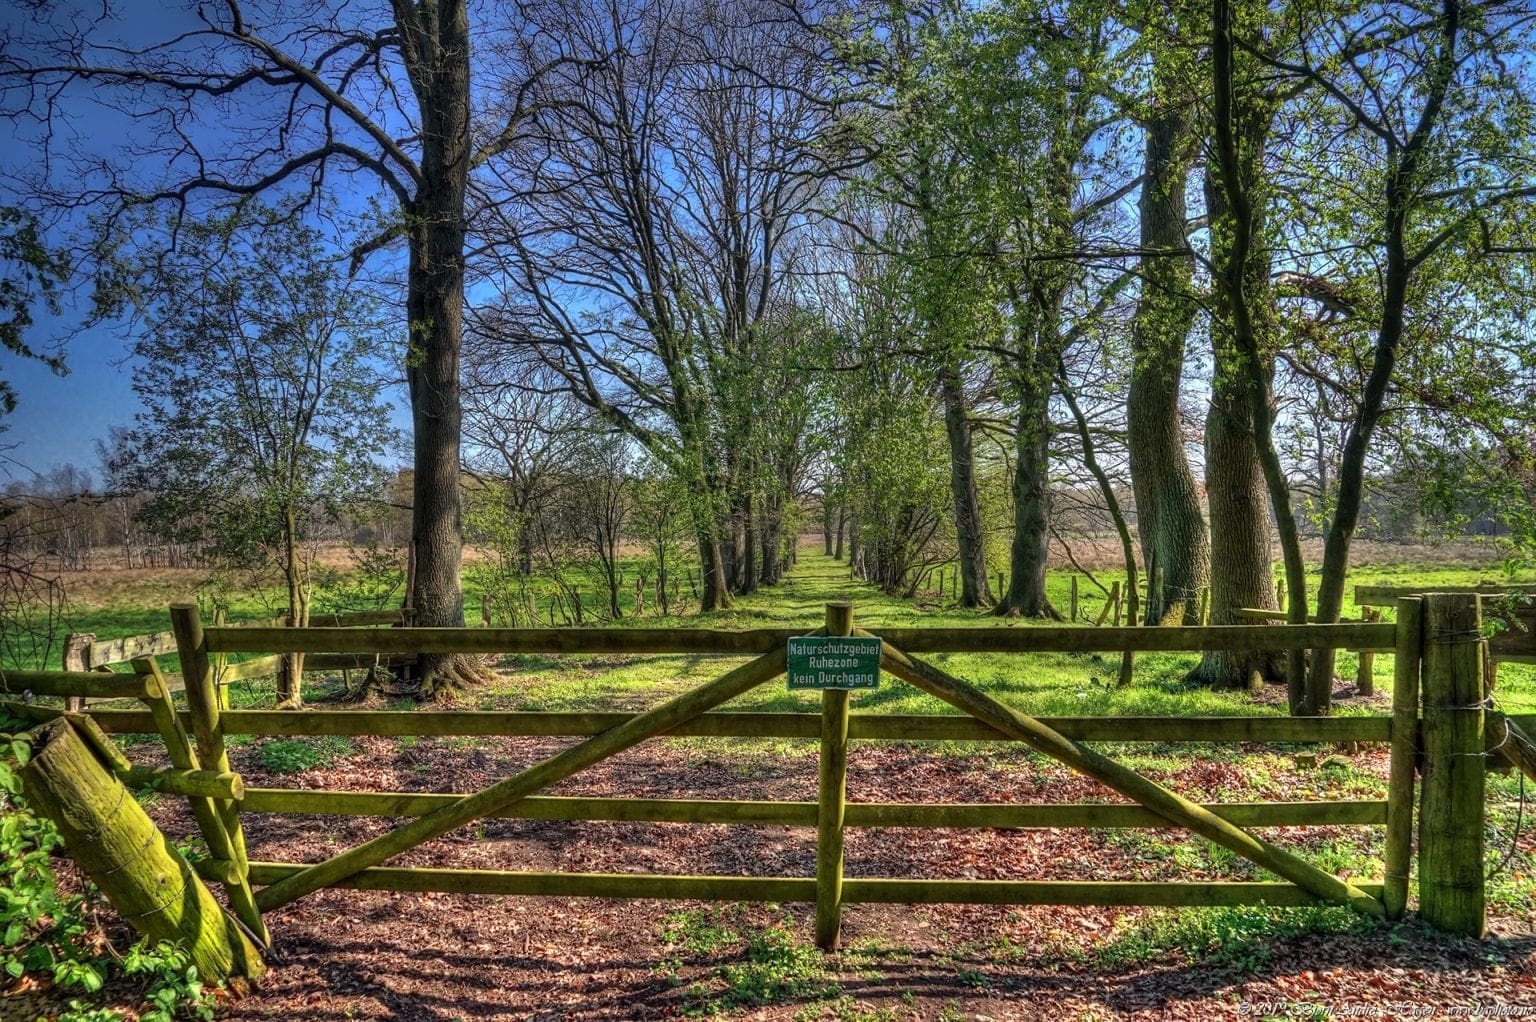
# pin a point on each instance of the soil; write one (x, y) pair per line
(369, 955)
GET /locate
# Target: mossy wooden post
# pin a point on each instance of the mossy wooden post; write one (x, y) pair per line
(1407, 662)
(77, 652)
(1073, 600)
(117, 845)
(832, 806)
(1365, 675)
(208, 733)
(1115, 600)
(1205, 605)
(219, 664)
(1451, 885)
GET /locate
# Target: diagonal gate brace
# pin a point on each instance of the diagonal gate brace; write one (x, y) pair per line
(497, 797)
(1146, 792)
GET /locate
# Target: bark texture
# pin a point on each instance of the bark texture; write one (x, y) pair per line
(1175, 543)
(970, 540)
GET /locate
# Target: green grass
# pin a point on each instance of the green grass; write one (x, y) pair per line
(1235, 939)
(752, 966)
(296, 755)
(1045, 684)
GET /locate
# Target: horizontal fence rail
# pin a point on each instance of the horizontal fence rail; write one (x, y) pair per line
(857, 890)
(1003, 816)
(1049, 639)
(887, 727)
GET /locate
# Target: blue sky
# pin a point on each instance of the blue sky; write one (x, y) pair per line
(58, 419)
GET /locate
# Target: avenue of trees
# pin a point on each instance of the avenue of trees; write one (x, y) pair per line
(947, 281)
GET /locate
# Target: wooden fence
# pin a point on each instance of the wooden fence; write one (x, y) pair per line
(84, 652)
(1439, 713)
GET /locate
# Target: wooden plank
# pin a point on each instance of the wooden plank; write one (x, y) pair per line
(1407, 662)
(1260, 614)
(1004, 816)
(668, 715)
(203, 712)
(89, 684)
(498, 640)
(1516, 642)
(1173, 807)
(794, 889)
(1511, 741)
(258, 667)
(397, 617)
(1078, 892)
(998, 639)
(832, 795)
(1387, 596)
(196, 783)
(884, 727)
(354, 661)
(1451, 844)
(120, 651)
(558, 885)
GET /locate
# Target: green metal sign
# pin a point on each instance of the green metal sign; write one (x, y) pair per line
(826, 661)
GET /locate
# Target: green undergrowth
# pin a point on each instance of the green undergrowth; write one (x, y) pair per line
(749, 966)
(51, 935)
(296, 755)
(1240, 939)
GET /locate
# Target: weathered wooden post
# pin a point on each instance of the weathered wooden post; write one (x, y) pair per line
(833, 795)
(1073, 599)
(116, 844)
(77, 654)
(1205, 605)
(1365, 675)
(1407, 663)
(208, 733)
(1451, 884)
(1114, 598)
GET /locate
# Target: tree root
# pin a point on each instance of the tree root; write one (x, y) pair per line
(1222, 669)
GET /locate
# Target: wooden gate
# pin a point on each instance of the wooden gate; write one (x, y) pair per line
(1453, 722)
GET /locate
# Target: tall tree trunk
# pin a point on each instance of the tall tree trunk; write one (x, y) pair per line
(826, 526)
(746, 576)
(842, 522)
(1242, 570)
(1168, 516)
(290, 674)
(1031, 504)
(434, 311)
(970, 540)
(1240, 130)
(716, 593)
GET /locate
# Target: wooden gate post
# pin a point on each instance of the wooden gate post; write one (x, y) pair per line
(833, 795)
(1406, 667)
(77, 654)
(208, 734)
(1451, 894)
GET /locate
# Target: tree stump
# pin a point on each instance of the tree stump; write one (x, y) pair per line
(118, 846)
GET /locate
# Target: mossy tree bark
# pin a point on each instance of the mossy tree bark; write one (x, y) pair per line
(1169, 521)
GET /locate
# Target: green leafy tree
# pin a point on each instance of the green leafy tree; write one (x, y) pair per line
(32, 275)
(262, 422)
